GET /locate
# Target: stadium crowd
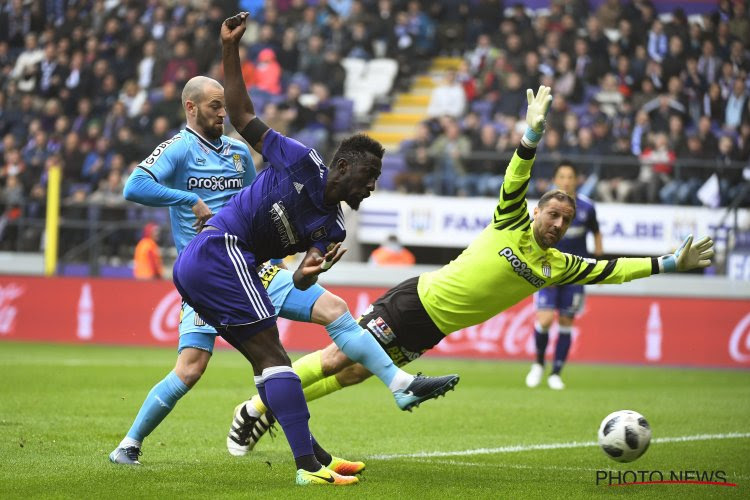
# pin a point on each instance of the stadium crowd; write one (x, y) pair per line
(94, 86)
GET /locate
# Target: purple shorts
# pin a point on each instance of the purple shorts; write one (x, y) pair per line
(217, 276)
(568, 299)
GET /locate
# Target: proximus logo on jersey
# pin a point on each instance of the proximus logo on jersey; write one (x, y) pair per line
(215, 183)
(521, 268)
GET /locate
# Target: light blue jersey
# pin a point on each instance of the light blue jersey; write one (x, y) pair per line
(213, 171)
(179, 172)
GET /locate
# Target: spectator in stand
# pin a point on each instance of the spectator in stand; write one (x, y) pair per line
(484, 171)
(683, 190)
(288, 54)
(449, 151)
(714, 104)
(268, 73)
(169, 105)
(736, 107)
(419, 162)
(674, 62)
(512, 100)
(391, 254)
(709, 63)
(148, 66)
(447, 98)
(181, 67)
(132, 97)
(657, 163)
(731, 180)
(72, 156)
(147, 264)
(617, 180)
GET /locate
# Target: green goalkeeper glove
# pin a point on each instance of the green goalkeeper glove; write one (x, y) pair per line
(688, 256)
(536, 113)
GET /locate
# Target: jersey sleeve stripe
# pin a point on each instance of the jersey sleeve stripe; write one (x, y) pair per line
(580, 276)
(149, 172)
(504, 195)
(520, 223)
(504, 224)
(608, 269)
(572, 268)
(507, 209)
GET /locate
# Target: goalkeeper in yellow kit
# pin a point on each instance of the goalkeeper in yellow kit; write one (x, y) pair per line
(512, 258)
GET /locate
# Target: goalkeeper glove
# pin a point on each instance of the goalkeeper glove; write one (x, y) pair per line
(688, 256)
(536, 113)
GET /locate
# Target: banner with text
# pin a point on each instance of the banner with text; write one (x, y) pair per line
(455, 222)
(651, 330)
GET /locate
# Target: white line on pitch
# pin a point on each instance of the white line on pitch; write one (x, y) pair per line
(551, 446)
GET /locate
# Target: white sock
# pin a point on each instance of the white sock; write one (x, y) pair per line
(400, 381)
(251, 409)
(128, 442)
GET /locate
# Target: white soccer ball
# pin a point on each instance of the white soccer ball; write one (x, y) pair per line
(624, 435)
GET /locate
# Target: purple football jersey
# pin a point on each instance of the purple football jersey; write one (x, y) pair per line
(282, 212)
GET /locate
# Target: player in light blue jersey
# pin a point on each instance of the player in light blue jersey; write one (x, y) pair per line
(567, 300)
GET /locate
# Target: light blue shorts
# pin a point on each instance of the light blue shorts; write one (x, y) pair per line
(289, 302)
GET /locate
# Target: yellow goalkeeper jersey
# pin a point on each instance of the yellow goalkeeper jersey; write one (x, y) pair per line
(504, 264)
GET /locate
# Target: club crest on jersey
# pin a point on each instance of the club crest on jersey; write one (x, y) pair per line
(546, 269)
(319, 234)
(238, 163)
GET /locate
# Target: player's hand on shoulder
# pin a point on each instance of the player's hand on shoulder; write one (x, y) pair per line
(233, 28)
(202, 214)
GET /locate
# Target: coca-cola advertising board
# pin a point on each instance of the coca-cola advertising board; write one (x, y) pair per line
(620, 329)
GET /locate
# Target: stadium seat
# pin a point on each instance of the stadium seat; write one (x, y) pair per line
(343, 119)
(393, 164)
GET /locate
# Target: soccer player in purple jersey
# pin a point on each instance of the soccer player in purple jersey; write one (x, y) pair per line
(566, 299)
(293, 206)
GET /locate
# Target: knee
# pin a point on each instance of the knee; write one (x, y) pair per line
(545, 318)
(566, 321)
(328, 308)
(191, 373)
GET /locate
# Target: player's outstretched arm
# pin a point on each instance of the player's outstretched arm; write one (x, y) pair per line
(315, 263)
(512, 209)
(589, 272)
(239, 105)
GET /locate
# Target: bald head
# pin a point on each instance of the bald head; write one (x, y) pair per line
(203, 101)
(195, 89)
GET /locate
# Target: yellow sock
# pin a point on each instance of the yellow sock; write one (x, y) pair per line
(256, 401)
(309, 368)
(321, 388)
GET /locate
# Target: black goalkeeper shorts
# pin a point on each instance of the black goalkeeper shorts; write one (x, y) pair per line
(399, 322)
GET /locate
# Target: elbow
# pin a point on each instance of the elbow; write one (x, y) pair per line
(127, 192)
(130, 192)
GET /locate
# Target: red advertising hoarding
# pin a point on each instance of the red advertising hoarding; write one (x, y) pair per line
(649, 330)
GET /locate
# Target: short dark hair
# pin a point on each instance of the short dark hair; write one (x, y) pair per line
(559, 195)
(357, 148)
(565, 163)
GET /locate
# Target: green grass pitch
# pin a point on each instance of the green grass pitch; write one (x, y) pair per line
(63, 408)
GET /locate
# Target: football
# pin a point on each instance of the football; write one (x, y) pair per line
(624, 435)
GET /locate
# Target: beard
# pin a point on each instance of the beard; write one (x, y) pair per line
(354, 204)
(209, 127)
